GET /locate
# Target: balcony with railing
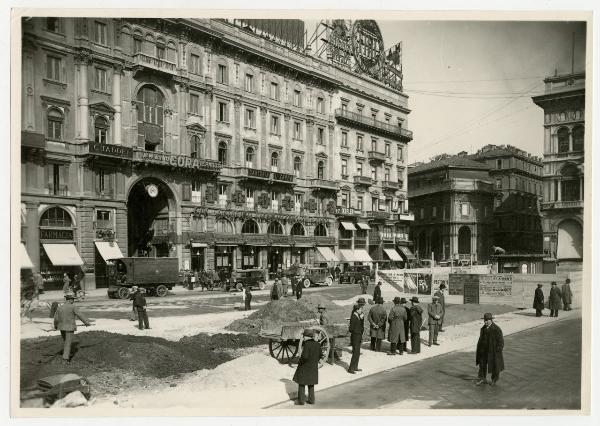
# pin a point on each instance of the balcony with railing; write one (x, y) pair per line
(390, 185)
(363, 180)
(141, 59)
(459, 185)
(378, 215)
(331, 185)
(376, 156)
(562, 205)
(247, 173)
(409, 216)
(373, 125)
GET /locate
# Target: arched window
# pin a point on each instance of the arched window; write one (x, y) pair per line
(250, 227)
(250, 157)
(57, 217)
(274, 161)
(275, 228)
(55, 124)
(578, 138)
(171, 52)
(223, 152)
(195, 146)
(320, 170)
(149, 45)
(101, 130)
(150, 117)
(297, 229)
(137, 42)
(297, 166)
(563, 139)
(224, 226)
(320, 230)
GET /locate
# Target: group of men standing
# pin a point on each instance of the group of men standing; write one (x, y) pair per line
(281, 287)
(558, 298)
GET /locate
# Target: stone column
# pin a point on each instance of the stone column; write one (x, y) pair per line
(29, 86)
(559, 183)
(83, 61)
(570, 140)
(32, 237)
(581, 188)
(261, 162)
(237, 134)
(116, 98)
(331, 149)
(287, 142)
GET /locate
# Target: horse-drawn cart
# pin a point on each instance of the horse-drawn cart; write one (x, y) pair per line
(285, 340)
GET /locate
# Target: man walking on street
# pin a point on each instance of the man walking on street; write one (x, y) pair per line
(364, 283)
(416, 321)
(434, 310)
(377, 319)
(406, 307)
(489, 351)
(307, 372)
(357, 328)
(538, 301)
(299, 288)
(284, 285)
(377, 292)
(139, 302)
(132, 293)
(554, 300)
(64, 320)
(248, 298)
(440, 293)
(396, 318)
(567, 295)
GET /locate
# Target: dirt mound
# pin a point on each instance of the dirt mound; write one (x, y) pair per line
(272, 315)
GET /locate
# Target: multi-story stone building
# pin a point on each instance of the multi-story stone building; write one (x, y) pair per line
(213, 141)
(563, 103)
(453, 200)
(517, 178)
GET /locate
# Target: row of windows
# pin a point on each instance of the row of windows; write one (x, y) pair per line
(99, 35)
(374, 146)
(521, 184)
(374, 112)
(564, 139)
(519, 164)
(465, 211)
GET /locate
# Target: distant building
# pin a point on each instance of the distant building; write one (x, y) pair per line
(563, 103)
(517, 178)
(453, 200)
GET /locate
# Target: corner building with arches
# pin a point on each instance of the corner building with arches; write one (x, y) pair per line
(219, 142)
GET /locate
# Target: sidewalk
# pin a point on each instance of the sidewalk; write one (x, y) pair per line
(258, 381)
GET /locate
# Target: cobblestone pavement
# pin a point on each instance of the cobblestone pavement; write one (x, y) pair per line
(543, 371)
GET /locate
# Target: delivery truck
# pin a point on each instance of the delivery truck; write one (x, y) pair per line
(157, 275)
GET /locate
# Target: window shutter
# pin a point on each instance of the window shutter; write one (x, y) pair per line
(186, 190)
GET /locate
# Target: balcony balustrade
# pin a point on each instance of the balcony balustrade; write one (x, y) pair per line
(155, 63)
(363, 180)
(325, 184)
(373, 125)
(390, 185)
(248, 173)
(562, 205)
(376, 156)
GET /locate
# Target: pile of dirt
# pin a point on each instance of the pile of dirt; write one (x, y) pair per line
(272, 315)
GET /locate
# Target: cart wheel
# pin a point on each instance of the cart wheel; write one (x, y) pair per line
(323, 339)
(328, 281)
(261, 285)
(123, 292)
(306, 283)
(283, 350)
(352, 280)
(161, 290)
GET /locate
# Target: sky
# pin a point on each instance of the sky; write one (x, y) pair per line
(470, 83)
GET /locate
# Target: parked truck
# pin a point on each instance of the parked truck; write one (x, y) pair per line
(157, 275)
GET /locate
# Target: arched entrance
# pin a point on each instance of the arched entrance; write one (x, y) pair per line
(150, 218)
(436, 245)
(570, 240)
(464, 240)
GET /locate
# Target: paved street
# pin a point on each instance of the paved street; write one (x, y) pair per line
(543, 369)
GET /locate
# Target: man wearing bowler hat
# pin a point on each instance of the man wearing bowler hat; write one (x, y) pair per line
(416, 321)
(377, 319)
(396, 319)
(357, 328)
(307, 373)
(434, 311)
(64, 321)
(489, 351)
(406, 307)
(538, 301)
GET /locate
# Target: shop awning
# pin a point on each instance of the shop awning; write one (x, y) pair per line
(328, 254)
(348, 226)
(199, 245)
(362, 256)
(63, 254)
(407, 253)
(25, 259)
(109, 250)
(392, 254)
(347, 255)
(363, 226)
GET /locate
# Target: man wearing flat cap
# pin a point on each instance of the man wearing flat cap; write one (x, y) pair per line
(377, 319)
(442, 300)
(396, 318)
(356, 329)
(434, 310)
(416, 321)
(64, 321)
(489, 351)
(307, 373)
(538, 301)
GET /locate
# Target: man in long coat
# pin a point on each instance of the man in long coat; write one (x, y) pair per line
(440, 294)
(406, 307)
(307, 373)
(416, 321)
(139, 303)
(434, 311)
(538, 301)
(567, 295)
(377, 319)
(357, 328)
(554, 300)
(397, 318)
(489, 351)
(377, 292)
(64, 321)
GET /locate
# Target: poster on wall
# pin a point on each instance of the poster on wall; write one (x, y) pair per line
(422, 282)
(439, 279)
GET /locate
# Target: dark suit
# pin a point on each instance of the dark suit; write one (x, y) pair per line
(307, 373)
(433, 310)
(489, 352)
(376, 293)
(406, 328)
(139, 302)
(538, 302)
(416, 321)
(64, 320)
(357, 327)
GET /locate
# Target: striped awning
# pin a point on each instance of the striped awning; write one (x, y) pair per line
(328, 254)
(348, 226)
(63, 254)
(392, 254)
(363, 226)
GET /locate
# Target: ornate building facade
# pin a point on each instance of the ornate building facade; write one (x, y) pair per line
(207, 140)
(563, 103)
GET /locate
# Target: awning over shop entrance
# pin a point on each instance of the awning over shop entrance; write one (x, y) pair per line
(392, 254)
(328, 254)
(407, 253)
(63, 254)
(347, 255)
(108, 250)
(362, 256)
(363, 226)
(25, 259)
(348, 226)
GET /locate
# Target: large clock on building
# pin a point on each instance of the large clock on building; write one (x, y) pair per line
(152, 190)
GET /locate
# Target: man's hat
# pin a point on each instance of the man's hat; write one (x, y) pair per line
(321, 306)
(397, 300)
(402, 300)
(415, 299)
(568, 281)
(435, 298)
(442, 285)
(487, 316)
(553, 283)
(134, 288)
(308, 332)
(379, 300)
(361, 301)
(539, 285)
(69, 296)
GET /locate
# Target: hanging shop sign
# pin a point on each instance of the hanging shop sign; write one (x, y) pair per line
(109, 150)
(179, 161)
